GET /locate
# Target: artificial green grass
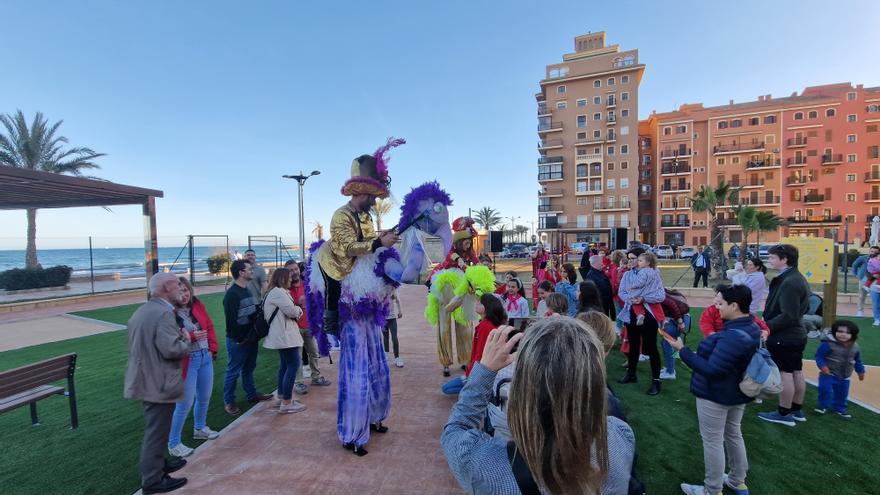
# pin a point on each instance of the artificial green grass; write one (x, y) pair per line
(821, 455)
(101, 456)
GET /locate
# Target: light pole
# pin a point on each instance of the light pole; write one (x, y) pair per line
(513, 225)
(301, 179)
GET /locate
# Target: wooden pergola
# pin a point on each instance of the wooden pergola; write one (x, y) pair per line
(22, 189)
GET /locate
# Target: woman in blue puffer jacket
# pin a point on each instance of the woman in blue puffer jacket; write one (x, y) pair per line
(718, 366)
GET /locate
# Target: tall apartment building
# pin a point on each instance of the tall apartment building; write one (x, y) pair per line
(647, 181)
(589, 159)
(811, 158)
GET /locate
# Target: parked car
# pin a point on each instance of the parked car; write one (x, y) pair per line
(504, 254)
(637, 244)
(518, 251)
(578, 247)
(687, 253)
(763, 251)
(664, 251)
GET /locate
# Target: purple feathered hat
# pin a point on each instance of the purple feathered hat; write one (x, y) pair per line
(369, 173)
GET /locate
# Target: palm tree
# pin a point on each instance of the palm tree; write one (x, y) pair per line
(318, 231)
(487, 217)
(707, 200)
(380, 209)
(746, 218)
(766, 221)
(40, 147)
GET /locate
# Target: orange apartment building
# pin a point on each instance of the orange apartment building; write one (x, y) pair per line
(588, 162)
(811, 158)
(647, 176)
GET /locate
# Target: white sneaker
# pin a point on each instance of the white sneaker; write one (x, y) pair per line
(398, 362)
(643, 357)
(860, 313)
(307, 372)
(665, 375)
(205, 434)
(180, 450)
(293, 407)
(876, 323)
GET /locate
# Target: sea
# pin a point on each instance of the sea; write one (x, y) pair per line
(129, 262)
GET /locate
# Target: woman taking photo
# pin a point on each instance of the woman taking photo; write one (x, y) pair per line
(718, 366)
(587, 452)
(198, 370)
(754, 277)
(282, 314)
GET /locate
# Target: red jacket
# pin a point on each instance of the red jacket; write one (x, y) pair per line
(710, 321)
(297, 292)
(481, 335)
(200, 313)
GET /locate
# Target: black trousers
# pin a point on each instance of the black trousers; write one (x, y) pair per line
(701, 273)
(643, 338)
(157, 426)
(391, 328)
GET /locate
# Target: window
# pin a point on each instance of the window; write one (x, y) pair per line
(582, 102)
(813, 114)
(850, 96)
(850, 138)
(722, 124)
(582, 135)
(667, 131)
(624, 113)
(560, 89)
(624, 183)
(611, 81)
(583, 221)
(581, 121)
(721, 161)
(624, 165)
(624, 149)
(754, 121)
(624, 131)
(681, 129)
(873, 108)
(597, 221)
(770, 119)
(624, 96)
(597, 100)
(582, 201)
(850, 177)
(851, 158)
(624, 79)
(597, 134)
(597, 83)
(610, 150)
(561, 105)
(610, 166)
(799, 116)
(830, 112)
(735, 160)
(851, 118)
(736, 123)
(582, 187)
(581, 170)
(597, 116)
(609, 184)
(851, 198)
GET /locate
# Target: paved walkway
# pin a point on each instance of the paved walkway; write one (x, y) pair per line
(265, 453)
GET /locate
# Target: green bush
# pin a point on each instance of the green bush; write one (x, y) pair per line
(218, 263)
(30, 278)
(851, 256)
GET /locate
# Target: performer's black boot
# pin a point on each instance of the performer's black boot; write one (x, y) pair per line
(331, 322)
(379, 427)
(358, 451)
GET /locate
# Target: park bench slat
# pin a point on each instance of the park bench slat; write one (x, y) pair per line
(28, 396)
(60, 362)
(41, 377)
(28, 384)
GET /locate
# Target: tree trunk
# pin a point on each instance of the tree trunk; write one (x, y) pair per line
(30, 260)
(717, 248)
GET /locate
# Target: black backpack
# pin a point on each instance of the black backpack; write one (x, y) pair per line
(261, 325)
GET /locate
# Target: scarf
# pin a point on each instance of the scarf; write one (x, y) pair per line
(513, 304)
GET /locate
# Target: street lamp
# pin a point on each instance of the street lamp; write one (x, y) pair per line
(512, 225)
(301, 179)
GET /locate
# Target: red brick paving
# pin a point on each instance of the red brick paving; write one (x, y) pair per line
(265, 453)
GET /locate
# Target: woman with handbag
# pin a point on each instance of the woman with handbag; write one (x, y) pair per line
(281, 314)
(718, 366)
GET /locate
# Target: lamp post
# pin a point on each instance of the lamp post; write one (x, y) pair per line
(301, 179)
(513, 225)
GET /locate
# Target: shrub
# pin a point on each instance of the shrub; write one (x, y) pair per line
(29, 278)
(218, 263)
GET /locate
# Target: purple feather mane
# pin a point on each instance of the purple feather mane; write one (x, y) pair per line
(428, 190)
(382, 160)
(315, 305)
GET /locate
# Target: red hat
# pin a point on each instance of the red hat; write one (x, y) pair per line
(462, 228)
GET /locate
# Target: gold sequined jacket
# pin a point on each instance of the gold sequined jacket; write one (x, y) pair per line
(338, 261)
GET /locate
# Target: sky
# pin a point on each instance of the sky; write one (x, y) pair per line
(212, 102)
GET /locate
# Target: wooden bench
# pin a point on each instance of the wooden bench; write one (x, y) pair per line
(28, 384)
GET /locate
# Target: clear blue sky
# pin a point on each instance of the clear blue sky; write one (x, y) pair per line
(212, 102)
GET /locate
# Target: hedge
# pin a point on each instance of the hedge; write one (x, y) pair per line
(35, 278)
(218, 263)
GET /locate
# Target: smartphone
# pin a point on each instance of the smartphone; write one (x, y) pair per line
(519, 325)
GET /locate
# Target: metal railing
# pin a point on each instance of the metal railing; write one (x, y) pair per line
(547, 143)
(728, 148)
(549, 159)
(549, 127)
(832, 158)
(801, 141)
(816, 219)
(675, 153)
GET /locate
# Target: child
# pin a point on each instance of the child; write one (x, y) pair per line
(391, 328)
(873, 272)
(557, 304)
(492, 316)
(647, 278)
(514, 300)
(837, 357)
(545, 288)
(502, 288)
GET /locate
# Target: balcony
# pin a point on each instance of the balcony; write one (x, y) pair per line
(757, 201)
(645, 194)
(549, 144)
(676, 187)
(679, 153)
(549, 176)
(832, 159)
(591, 140)
(611, 137)
(675, 169)
(798, 161)
(675, 223)
(872, 176)
(544, 160)
(623, 205)
(726, 221)
(588, 157)
(816, 198)
(815, 219)
(543, 110)
(747, 183)
(611, 119)
(550, 207)
(771, 163)
(550, 192)
(675, 205)
(797, 142)
(550, 127)
(796, 181)
(872, 196)
(737, 148)
(610, 102)
(548, 223)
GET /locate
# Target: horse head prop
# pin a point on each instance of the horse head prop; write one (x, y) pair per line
(423, 214)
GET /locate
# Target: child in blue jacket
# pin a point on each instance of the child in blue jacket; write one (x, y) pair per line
(837, 357)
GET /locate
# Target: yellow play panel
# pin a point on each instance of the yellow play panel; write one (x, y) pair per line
(865, 394)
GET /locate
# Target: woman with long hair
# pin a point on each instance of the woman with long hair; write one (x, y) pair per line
(563, 441)
(492, 316)
(568, 286)
(198, 370)
(282, 315)
(589, 298)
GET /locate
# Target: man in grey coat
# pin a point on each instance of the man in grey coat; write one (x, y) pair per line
(154, 376)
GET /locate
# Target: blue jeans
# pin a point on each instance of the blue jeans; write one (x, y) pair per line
(668, 352)
(197, 386)
(290, 360)
(454, 386)
(833, 391)
(875, 304)
(242, 361)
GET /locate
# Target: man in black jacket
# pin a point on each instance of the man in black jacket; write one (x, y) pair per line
(787, 303)
(602, 282)
(700, 264)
